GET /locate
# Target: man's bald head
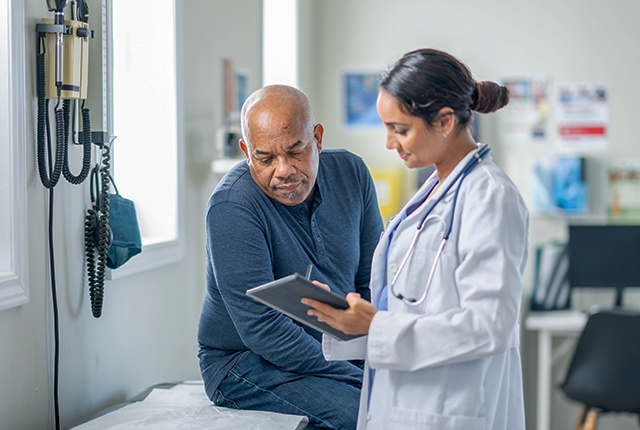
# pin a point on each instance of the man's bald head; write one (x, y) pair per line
(275, 103)
(281, 142)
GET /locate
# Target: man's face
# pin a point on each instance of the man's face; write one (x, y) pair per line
(283, 155)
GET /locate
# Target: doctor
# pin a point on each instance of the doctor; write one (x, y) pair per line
(442, 335)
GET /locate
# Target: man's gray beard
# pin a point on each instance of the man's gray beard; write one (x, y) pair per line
(291, 195)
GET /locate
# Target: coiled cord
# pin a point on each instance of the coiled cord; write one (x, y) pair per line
(97, 230)
(66, 108)
(86, 147)
(43, 113)
(95, 288)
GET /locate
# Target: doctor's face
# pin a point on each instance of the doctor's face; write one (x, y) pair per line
(283, 154)
(417, 145)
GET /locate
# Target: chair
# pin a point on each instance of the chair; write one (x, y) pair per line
(604, 373)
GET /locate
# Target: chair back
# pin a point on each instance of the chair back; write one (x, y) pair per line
(605, 369)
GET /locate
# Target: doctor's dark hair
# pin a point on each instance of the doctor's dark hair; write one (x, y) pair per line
(426, 80)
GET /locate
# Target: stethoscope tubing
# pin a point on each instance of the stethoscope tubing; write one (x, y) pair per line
(477, 158)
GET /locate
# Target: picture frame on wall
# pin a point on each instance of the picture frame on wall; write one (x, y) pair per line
(359, 89)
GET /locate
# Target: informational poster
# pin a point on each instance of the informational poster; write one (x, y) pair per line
(360, 93)
(559, 186)
(582, 116)
(524, 119)
(623, 201)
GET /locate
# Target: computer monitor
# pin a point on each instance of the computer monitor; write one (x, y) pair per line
(604, 256)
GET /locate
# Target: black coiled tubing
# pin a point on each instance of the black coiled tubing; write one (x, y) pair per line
(43, 126)
(86, 145)
(97, 231)
(62, 119)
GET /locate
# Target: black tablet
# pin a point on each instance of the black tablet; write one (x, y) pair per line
(284, 295)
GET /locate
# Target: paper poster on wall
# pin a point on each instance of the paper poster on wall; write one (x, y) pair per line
(582, 116)
(524, 119)
(623, 200)
(359, 96)
(559, 186)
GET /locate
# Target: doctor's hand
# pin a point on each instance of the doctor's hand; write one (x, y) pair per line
(355, 320)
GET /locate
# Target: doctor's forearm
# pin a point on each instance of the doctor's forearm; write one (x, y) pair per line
(411, 342)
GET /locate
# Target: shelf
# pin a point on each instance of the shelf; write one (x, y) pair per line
(573, 219)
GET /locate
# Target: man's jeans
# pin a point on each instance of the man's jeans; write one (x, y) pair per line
(255, 384)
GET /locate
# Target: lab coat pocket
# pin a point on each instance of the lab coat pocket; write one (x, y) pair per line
(407, 419)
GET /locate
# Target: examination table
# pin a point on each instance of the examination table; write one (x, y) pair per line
(184, 405)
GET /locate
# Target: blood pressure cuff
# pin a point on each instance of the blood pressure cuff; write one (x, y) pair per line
(126, 233)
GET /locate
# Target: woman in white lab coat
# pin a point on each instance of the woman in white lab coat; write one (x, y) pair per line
(441, 354)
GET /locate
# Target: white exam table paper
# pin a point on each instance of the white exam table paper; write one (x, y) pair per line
(187, 407)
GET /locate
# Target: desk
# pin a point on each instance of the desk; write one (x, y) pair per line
(549, 324)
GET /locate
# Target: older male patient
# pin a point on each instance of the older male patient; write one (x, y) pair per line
(292, 203)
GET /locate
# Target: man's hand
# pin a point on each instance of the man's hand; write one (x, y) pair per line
(355, 320)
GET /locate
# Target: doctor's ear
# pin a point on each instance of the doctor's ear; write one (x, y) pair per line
(445, 120)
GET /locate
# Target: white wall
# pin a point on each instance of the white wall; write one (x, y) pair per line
(147, 333)
(569, 40)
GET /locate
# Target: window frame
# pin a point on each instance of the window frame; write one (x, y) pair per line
(14, 285)
(168, 252)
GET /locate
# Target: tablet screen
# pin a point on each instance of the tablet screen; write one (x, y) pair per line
(284, 295)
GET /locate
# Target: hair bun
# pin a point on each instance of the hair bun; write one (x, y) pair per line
(489, 97)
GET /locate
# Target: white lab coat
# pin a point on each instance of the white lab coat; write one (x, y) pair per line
(451, 363)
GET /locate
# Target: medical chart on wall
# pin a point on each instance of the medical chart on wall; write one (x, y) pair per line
(582, 116)
(623, 199)
(525, 119)
(359, 96)
(559, 185)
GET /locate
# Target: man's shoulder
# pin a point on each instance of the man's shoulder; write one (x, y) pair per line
(237, 186)
(340, 155)
(337, 158)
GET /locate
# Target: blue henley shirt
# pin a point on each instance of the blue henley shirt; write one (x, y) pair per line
(252, 240)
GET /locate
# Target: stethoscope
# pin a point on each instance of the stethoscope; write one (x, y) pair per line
(475, 160)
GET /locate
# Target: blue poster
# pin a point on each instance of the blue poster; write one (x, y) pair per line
(570, 185)
(361, 94)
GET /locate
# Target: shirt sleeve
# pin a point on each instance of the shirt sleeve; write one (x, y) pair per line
(370, 232)
(237, 244)
(492, 250)
(334, 349)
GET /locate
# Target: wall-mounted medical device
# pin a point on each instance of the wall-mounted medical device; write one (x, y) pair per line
(62, 58)
(62, 69)
(67, 69)
(75, 59)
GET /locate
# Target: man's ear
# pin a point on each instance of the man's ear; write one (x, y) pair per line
(318, 131)
(245, 149)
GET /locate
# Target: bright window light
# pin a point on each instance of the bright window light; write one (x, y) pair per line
(145, 114)
(280, 42)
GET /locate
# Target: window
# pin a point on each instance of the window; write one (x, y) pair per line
(14, 289)
(280, 42)
(146, 120)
